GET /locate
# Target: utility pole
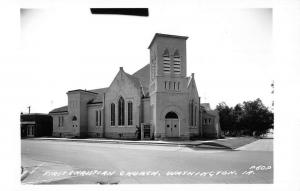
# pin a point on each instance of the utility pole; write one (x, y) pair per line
(272, 92)
(29, 109)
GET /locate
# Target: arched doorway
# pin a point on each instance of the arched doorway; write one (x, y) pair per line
(172, 124)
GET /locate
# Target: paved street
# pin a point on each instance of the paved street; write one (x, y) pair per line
(58, 162)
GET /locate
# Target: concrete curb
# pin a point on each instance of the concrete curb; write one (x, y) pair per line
(24, 174)
(189, 145)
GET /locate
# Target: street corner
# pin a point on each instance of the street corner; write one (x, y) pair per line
(259, 145)
(37, 172)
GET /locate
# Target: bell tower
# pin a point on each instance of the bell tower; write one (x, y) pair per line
(168, 80)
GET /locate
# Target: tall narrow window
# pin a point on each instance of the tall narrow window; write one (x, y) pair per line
(100, 118)
(121, 111)
(174, 85)
(97, 120)
(177, 63)
(191, 113)
(62, 121)
(177, 85)
(195, 115)
(112, 114)
(130, 113)
(166, 62)
(165, 84)
(58, 121)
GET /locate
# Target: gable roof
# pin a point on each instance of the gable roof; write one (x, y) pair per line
(143, 75)
(135, 80)
(60, 109)
(140, 78)
(206, 106)
(100, 94)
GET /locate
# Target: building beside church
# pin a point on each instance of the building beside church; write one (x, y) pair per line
(35, 125)
(160, 99)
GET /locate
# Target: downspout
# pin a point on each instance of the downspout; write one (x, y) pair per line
(104, 115)
(200, 122)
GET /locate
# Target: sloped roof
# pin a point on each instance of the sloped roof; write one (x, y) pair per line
(100, 90)
(135, 80)
(143, 75)
(60, 109)
(206, 106)
(213, 112)
(100, 93)
(140, 78)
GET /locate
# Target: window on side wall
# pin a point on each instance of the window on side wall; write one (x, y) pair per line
(100, 118)
(112, 114)
(97, 120)
(121, 109)
(130, 113)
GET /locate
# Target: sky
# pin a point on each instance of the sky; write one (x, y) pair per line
(229, 50)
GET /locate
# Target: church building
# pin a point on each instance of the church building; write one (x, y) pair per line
(159, 101)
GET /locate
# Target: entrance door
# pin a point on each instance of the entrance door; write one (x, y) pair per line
(30, 130)
(172, 125)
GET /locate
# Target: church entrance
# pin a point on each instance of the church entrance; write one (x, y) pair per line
(172, 124)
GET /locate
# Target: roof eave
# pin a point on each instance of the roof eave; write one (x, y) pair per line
(166, 35)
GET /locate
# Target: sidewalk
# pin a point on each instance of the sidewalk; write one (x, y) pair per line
(226, 143)
(36, 172)
(260, 145)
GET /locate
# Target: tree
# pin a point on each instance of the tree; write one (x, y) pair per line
(257, 118)
(238, 113)
(247, 118)
(227, 121)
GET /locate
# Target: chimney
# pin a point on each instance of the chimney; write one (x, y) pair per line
(193, 74)
(121, 68)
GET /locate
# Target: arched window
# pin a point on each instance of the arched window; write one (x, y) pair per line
(112, 114)
(195, 116)
(171, 115)
(97, 119)
(121, 114)
(129, 113)
(177, 62)
(166, 62)
(191, 109)
(100, 118)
